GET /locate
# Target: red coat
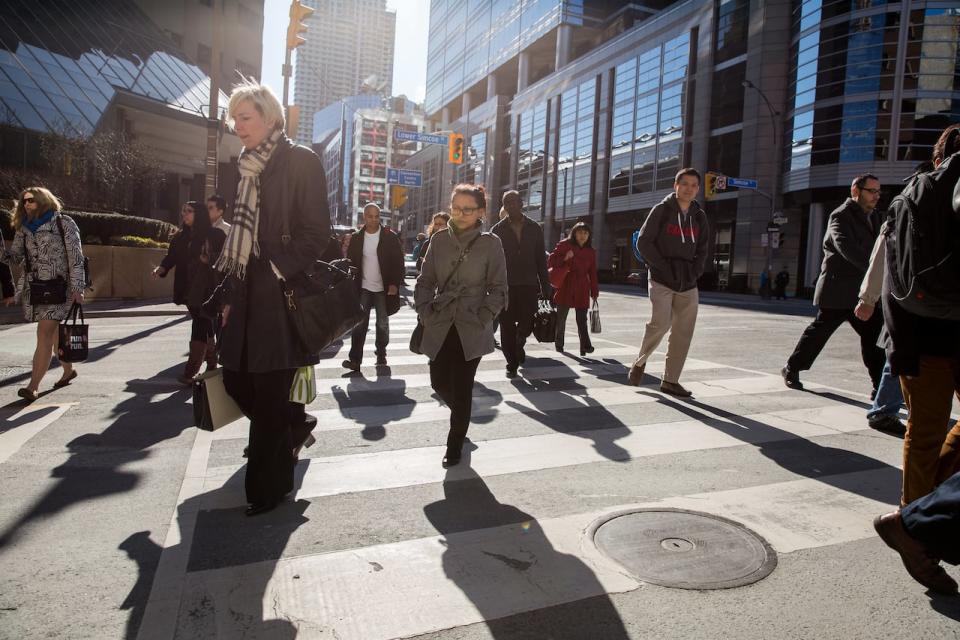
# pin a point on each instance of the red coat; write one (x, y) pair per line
(581, 283)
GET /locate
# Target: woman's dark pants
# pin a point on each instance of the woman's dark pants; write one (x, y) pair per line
(275, 423)
(581, 327)
(451, 376)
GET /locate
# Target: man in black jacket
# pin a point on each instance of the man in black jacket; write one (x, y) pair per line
(522, 240)
(847, 243)
(673, 242)
(375, 251)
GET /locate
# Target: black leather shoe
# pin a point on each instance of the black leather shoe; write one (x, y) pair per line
(791, 378)
(888, 423)
(260, 507)
(511, 372)
(584, 352)
(450, 461)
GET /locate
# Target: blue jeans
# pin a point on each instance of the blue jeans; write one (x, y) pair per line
(370, 300)
(889, 396)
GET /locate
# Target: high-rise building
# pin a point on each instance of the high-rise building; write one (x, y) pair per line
(348, 50)
(589, 107)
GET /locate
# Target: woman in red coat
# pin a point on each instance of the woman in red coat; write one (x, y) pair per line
(579, 285)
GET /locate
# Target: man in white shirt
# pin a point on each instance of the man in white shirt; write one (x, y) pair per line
(375, 251)
(216, 206)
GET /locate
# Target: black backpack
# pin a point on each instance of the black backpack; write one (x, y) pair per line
(923, 243)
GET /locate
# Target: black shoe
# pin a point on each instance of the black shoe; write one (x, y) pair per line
(558, 347)
(246, 452)
(791, 378)
(511, 372)
(257, 508)
(450, 461)
(382, 361)
(888, 423)
(584, 352)
(352, 365)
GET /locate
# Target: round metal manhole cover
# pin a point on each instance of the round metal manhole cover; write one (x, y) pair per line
(685, 549)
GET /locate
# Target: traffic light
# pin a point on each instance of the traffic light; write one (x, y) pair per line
(398, 196)
(298, 13)
(711, 188)
(456, 148)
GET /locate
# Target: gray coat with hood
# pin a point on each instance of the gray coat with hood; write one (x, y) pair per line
(674, 244)
(471, 300)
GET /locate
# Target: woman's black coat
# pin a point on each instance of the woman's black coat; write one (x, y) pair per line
(258, 335)
(178, 259)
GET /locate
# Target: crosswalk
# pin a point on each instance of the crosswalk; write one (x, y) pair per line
(381, 542)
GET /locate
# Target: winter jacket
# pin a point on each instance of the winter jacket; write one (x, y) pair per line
(674, 244)
(847, 244)
(389, 255)
(7, 287)
(473, 297)
(258, 335)
(178, 259)
(527, 257)
(580, 284)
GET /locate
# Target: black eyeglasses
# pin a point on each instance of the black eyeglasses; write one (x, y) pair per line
(468, 211)
(26, 200)
(872, 191)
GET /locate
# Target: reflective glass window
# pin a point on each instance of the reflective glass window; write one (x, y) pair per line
(733, 17)
(726, 103)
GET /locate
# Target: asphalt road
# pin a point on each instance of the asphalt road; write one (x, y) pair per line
(120, 520)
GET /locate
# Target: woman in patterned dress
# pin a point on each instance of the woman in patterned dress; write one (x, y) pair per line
(49, 242)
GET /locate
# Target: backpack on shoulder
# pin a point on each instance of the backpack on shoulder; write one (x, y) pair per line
(923, 243)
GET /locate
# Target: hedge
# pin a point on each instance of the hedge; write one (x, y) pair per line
(104, 226)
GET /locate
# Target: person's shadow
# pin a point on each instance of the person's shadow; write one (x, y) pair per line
(590, 420)
(98, 461)
(365, 406)
(519, 583)
(222, 538)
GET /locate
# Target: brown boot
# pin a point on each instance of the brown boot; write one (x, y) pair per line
(197, 350)
(636, 374)
(210, 356)
(919, 563)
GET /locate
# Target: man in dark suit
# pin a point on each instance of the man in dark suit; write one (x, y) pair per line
(523, 247)
(851, 232)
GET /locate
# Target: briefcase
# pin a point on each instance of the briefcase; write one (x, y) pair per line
(212, 405)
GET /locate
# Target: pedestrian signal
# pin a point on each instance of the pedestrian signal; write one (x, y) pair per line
(456, 148)
(298, 13)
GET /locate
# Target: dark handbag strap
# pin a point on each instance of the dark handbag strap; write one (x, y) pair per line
(75, 310)
(460, 260)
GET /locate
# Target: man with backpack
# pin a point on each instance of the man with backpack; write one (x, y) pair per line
(921, 308)
(847, 243)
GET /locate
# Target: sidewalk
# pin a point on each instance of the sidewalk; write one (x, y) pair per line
(108, 308)
(748, 301)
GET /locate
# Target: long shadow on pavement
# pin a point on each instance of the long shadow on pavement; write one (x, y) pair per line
(357, 396)
(535, 570)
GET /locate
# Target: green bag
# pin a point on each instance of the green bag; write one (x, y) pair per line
(304, 388)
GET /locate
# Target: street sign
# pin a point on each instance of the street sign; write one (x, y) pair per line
(779, 218)
(721, 183)
(405, 177)
(742, 183)
(416, 136)
(772, 228)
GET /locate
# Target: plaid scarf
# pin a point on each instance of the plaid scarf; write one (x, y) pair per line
(242, 238)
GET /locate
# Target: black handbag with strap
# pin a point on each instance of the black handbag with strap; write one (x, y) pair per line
(416, 338)
(323, 301)
(53, 291)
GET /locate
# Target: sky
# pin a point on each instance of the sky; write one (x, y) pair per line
(410, 49)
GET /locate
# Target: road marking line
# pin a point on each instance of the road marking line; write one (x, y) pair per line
(18, 429)
(485, 574)
(410, 467)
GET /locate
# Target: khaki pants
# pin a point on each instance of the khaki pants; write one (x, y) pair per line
(931, 450)
(676, 312)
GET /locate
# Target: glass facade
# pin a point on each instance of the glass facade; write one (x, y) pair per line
(575, 146)
(647, 127)
(62, 63)
(531, 157)
(844, 81)
(471, 38)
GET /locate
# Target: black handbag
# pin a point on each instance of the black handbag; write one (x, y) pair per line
(48, 291)
(545, 322)
(416, 338)
(73, 344)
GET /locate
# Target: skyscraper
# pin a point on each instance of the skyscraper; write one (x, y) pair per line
(349, 50)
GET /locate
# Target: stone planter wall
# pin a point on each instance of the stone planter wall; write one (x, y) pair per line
(124, 272)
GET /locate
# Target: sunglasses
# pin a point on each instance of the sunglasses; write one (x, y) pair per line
(26, 200)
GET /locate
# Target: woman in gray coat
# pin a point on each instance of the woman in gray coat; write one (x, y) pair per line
(458, 304)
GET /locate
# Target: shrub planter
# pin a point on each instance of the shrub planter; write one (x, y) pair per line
(124, 272)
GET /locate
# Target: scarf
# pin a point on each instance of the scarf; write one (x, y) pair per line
(39, 221)
(242, 239)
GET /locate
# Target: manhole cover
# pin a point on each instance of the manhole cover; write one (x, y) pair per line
(685, 549)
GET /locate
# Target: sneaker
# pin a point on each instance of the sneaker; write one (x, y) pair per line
(352, 365)
(382, 361)
(888, 423)
(636, 375)
(791, 378)
(674, 389)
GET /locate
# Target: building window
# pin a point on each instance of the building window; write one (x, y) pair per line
(723, 153)
(727, 96)
(733, 17)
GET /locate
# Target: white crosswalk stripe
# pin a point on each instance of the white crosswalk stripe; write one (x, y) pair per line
(465, 576)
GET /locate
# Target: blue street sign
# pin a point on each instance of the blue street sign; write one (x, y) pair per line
(416, 136)
(404, 177)
(741, 183)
